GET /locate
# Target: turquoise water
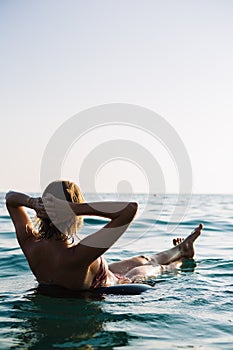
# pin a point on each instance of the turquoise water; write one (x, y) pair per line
(191, 308)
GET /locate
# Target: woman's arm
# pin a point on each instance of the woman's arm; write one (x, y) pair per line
(59, 210)
(90, 248)
(15, 203)
(121, 215)
(17, 199)
(110, 210)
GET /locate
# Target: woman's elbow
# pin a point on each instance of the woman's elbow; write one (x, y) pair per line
(7, 196)
(132, 207)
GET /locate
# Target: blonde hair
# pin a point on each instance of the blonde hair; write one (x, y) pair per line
(65, 190)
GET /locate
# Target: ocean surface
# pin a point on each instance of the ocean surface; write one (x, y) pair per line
(191, 308)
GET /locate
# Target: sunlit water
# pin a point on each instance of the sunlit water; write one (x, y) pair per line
(186, 309)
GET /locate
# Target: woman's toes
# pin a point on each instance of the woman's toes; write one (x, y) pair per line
(177, 241)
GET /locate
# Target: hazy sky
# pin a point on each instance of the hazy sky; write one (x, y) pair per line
(61, 57)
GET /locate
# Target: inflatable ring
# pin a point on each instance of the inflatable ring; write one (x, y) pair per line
(120, 289)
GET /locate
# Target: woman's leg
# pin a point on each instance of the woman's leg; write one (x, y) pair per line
(122, 267)
(142, 273)
(182, 250)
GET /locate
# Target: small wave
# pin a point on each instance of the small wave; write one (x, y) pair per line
(209, 225)
(191, 223)
(9, 250)
(96, 221)
(218, 263)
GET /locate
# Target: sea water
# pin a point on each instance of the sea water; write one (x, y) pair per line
(190, 308)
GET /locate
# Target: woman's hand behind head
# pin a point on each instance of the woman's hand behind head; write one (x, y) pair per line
(57, 210)
(38, 206)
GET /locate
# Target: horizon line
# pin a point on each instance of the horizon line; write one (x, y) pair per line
(137, 193)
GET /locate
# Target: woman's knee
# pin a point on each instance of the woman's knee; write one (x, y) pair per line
(144, 271)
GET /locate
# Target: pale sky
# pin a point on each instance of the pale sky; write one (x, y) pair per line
(61, 57)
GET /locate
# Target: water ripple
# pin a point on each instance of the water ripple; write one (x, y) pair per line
(191, 308)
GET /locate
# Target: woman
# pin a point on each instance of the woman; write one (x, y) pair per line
(56, 260)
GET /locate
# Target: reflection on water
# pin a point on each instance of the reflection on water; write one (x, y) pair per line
(188, 309)
(42, 322)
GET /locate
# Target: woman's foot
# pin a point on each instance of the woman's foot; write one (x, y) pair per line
(177, 241)
(186, 245)
(183, 249)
